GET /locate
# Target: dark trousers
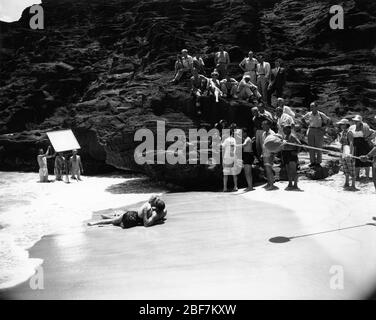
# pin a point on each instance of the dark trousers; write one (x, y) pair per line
(278, 90)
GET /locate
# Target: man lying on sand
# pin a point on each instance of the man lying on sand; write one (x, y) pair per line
(151, 213)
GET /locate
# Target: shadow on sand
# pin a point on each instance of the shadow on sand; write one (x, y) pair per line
(281, 239)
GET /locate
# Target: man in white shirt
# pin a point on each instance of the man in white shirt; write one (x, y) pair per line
(263, 77)
(248, 65)
(185, 65)
(316, 122)
(221, 61)
(286, 109)
(247, 89)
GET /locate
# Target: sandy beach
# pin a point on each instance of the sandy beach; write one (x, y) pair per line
(212, 246)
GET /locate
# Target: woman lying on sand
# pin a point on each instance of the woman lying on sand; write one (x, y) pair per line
(149, 214)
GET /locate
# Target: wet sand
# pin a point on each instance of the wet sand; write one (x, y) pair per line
(217, 246)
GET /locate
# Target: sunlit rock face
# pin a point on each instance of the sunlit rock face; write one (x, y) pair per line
(101, 68)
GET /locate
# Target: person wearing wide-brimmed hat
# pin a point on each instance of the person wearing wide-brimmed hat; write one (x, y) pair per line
(347, 148)
(362, 135)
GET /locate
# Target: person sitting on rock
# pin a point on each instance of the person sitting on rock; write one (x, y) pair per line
(42, 162)
(229, 87)
(199, 85)
(248, 65)
(199, 64)
(222, 61)
(59, 167)
(215, 86)
(149, 214)
(75, 165)
(183, 65)
(289, 157)
(247, 90)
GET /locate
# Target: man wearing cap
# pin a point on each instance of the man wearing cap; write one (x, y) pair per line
(263, 77)
(185, 65)
(247, 89)
(347, 148)
(248, 65)
(277, 81)
(222, 61)
(316, 122)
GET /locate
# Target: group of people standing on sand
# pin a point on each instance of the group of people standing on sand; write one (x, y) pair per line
(259, 82)
(65, 164)
(357, 139)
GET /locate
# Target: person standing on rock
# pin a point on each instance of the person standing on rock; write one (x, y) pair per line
(263, 77)
(249, 65)
(76, 166)
(277, 81)
(42, 162)
(316, 122)
(221, 62)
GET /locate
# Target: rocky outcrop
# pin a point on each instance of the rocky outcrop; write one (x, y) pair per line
(102, 69)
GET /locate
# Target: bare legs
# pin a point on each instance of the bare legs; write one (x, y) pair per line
(248, 176)
(225, 180)
(292, 175)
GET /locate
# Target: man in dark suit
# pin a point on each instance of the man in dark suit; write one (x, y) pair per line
(277, 81)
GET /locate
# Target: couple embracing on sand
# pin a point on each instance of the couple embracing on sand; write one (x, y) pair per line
(149, 214)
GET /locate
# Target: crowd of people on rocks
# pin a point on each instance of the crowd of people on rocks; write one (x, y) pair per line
(258, 84)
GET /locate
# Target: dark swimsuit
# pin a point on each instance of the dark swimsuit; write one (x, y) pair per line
(131, 219)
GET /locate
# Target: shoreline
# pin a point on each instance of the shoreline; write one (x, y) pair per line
(32, 210)
(190, 224)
